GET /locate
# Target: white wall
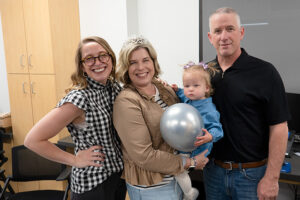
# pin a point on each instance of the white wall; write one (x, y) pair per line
(172, 26)
(4, 98)
(132, 17)
(104, 18)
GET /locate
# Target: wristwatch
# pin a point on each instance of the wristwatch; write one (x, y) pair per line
(193, 164)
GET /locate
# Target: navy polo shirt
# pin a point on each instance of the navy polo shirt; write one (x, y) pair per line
(250, 97)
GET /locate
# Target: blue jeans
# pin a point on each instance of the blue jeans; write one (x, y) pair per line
(236, 184)
(171, 191)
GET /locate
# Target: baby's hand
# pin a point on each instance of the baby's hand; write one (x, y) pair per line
(174, 87)
(207, 137)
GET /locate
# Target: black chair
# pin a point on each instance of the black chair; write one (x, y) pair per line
(3, 178)
(29, 166)
(3, 159)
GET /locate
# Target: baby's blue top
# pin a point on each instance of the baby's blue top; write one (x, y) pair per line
(211, 119)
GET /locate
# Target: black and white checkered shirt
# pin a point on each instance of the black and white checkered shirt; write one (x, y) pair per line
(97, 102)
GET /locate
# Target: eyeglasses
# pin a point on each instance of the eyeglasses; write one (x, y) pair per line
(90, 60)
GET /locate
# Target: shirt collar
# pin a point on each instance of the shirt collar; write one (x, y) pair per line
(95, 84)
(156, 83)
(239, 63)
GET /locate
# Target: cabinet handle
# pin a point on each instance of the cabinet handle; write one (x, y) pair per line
(21, 60)
(23, 87)
(29, 60)
(32, 89)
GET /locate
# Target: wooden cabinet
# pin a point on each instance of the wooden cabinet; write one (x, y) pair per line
(31, 97)
(14, 36)
(39, 32)
(20, 105)
(40, 40)
(29, 20)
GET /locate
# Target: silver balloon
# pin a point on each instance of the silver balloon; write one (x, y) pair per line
(180, 124)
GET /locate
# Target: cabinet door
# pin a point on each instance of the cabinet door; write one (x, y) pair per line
(14, 36)
(22, 119)
(38, 36)
(20, 106)
(43, 96)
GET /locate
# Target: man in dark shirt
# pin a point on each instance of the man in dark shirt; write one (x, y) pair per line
(250, 97)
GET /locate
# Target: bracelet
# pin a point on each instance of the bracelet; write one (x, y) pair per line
(183, 160)
(195, 161)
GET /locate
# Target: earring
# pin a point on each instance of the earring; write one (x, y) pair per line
(85, 74)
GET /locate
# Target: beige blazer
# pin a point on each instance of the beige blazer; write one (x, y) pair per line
(147, 157)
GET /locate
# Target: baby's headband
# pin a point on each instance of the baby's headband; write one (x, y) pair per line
(200, 64)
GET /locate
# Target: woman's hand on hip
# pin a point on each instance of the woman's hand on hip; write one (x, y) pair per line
(89, 157)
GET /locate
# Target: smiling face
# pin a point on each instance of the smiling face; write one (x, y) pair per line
(194, 85)
(100, 71)
(141, 69)
(226, 34)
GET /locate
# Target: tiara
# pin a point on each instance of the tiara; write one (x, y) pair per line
(136, 40)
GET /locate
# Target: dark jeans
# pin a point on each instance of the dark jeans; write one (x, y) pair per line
(236, 184)
(114, 188)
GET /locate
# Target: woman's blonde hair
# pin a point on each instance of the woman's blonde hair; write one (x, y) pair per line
(128, 47)
(78, 78)
(205, 71)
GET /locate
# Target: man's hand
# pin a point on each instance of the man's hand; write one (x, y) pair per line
(267, 189)
(268, 186)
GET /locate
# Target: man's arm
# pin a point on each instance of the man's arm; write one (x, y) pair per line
(268, 186)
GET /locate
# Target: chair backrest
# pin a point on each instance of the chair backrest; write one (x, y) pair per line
(29, 166)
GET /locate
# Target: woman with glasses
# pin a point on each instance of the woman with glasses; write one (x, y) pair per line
(86, 111)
